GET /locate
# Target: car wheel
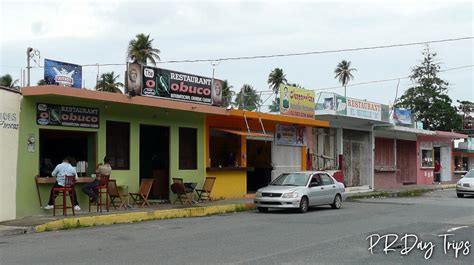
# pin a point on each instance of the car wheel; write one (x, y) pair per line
(460, 195)
(262, 209)
(304, 204)
(337, 203)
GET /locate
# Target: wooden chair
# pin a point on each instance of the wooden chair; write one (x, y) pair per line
(115, 195)
(68, 187)
(204, 194)
(178, 188)
(100, 191)
(140, 198)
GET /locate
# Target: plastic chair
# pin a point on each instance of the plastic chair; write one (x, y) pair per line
(141, 197)
(68, 187)
(204, 194)
(100, 191)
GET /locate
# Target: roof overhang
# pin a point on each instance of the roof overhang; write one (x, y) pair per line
(348, 122)
(120, 98)
(452, 135)
(278, 118)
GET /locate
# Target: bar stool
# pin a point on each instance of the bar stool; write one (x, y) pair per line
(69, 182)
(100, 190)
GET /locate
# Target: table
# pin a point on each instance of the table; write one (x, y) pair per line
(52, 180)
(189, 187)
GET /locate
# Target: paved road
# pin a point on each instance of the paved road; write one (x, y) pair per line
(322, 236)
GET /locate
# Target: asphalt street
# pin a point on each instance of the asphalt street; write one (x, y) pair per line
(321, 236)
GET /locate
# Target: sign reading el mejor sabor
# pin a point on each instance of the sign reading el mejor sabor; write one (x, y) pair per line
(159, 82)
(69, 116)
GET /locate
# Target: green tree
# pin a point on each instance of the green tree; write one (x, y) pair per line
(428, 99)
(275, 79)
(247, 98)
(41, 82)
(108, 83)
(344, 74)
(7, 81)
(140, 50)
(227, 93)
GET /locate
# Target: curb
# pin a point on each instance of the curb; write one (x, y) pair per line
(14, 230)
(122, 218)
(401, 193)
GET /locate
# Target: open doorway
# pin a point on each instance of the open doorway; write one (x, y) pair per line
(55, 145)
(154, 159)
(259, 157)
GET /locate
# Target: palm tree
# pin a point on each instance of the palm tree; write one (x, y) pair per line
(108, 83)
(276, 78)
(247, 98)
(7, 81)
(343, 72)
(227, 93)
(140, 50)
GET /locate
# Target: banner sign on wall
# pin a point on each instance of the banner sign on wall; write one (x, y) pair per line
(157, 82)
(402, 117)
(364, 109)
(290, 135)
(63, 74)
(296, 102)
(69, 116)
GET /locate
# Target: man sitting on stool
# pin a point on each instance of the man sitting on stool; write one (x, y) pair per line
(102, 169)
(60, 172)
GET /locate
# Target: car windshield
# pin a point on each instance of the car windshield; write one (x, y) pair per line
(469, 174)
(291, 179)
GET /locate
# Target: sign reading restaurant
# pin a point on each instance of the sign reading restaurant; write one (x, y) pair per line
(364, 109)
(68, 116)
(157, 82)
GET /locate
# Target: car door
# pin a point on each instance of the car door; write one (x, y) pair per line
(330, 189)
(315, 191)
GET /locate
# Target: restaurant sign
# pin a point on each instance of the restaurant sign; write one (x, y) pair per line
(68, 116)
(296, 102)
(290, 135)
(364, 109)
(165, 83)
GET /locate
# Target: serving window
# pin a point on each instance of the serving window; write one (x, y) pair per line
(461, 163)
(427, 158)
(224, 148)
(55, 145)
(187, 148)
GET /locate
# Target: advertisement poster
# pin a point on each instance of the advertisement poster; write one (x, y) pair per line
(62, 74)
(341, 105)
(364, 109)
(402, 116)
(297, 102)
(68, 116)
(165, 83)
(290, 135)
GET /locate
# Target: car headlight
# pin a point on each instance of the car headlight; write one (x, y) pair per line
(290, 195)
(459, 183)
(258, 194)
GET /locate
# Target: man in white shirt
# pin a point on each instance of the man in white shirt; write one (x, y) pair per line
(60, 172)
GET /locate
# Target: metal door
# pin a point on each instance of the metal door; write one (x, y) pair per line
(445, 163)
(285, 159)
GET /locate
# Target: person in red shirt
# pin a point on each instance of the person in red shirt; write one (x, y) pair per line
(437, 172)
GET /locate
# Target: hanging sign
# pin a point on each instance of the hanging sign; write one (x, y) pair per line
(290, 135)
(297, 102)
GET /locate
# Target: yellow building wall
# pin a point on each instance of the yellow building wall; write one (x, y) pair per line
(229, 184)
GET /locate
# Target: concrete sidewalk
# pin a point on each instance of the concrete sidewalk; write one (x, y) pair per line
(83, 218)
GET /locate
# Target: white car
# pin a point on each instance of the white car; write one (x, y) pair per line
(301, 190)
(465, 186)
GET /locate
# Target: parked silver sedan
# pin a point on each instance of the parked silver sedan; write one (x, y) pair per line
(465, 186)
(301, 190)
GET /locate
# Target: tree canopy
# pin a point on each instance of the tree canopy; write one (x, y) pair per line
(140, 50)
(227, 94)
(108, 83)
(276, 78)
(7, 81)
(247, 98)
(428, 99)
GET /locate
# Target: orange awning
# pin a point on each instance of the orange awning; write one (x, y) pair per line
(243, 133)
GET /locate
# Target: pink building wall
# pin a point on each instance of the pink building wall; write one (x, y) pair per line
(425, 175)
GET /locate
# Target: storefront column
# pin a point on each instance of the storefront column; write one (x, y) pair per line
(243, 151)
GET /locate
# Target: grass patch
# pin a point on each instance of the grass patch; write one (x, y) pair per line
(381, 194)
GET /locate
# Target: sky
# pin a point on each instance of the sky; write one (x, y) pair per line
(84, 32)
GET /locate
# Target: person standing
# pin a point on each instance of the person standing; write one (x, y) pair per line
(60, 172)
(102, 170)
(437, 171)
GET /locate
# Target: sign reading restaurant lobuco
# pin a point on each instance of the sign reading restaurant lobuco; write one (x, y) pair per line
(69, 116)
(159, 82)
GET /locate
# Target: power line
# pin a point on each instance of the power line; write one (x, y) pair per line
(318, 52)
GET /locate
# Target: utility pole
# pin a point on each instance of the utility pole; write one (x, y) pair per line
(28, 67)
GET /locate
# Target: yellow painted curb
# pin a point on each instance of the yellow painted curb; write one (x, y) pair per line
(87, 221)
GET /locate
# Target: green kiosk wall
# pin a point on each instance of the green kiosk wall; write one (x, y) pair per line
(135, 115)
